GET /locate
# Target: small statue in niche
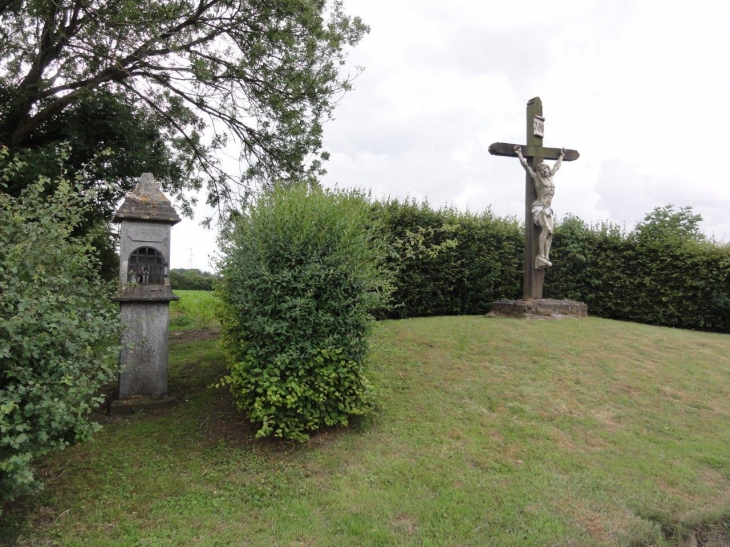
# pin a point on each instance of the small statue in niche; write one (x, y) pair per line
(143, 274)
(542, 213)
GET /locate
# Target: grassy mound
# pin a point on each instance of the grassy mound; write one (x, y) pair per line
(490, 432)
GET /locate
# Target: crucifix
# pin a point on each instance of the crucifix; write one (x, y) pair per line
(538, 195)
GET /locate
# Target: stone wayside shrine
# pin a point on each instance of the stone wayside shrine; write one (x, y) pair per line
(146, 217)
(539, 191)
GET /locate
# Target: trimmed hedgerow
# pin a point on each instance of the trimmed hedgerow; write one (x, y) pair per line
(449, 262)
(301, 273)
(664, 272)
(59, 327)
(303, 270)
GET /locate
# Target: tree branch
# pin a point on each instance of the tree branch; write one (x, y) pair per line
(9, 5)
(203, 161)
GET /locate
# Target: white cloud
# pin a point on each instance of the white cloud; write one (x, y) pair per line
(637, 86)
(192, 245)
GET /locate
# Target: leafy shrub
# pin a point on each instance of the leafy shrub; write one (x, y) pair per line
(301, 272)
(664, 272)
(588, 262)
(58, 327)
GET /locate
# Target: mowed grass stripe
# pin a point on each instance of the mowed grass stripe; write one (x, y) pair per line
(490, 432)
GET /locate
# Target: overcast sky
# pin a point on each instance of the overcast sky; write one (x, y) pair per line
(639, 87)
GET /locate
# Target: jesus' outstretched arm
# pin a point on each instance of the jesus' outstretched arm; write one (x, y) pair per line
(518, 151)
(559, 162)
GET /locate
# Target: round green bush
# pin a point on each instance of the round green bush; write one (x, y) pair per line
(301, 274)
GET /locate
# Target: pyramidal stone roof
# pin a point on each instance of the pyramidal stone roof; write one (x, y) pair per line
(147, 202)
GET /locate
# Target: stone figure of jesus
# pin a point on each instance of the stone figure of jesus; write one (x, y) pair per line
(542, 213)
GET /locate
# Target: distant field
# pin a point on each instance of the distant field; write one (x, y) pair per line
(194, 310)
(491, 432)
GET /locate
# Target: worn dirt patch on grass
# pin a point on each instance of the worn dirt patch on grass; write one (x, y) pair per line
(715, 535)
(194, 335)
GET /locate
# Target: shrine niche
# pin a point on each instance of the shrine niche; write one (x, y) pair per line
(147, 266)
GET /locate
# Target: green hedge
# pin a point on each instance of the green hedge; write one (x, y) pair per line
(664, 277)
(664, 272)
(449, 262)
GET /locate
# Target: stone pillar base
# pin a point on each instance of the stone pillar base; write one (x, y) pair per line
(543, 308)
(133, 405)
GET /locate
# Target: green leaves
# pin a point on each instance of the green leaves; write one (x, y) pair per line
(666, 224)
(664, 272)
(58, 327)
(182, 77)
(302, 271)
(191, 280)
(448, 262)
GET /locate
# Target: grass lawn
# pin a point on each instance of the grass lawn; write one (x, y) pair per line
(491, 431)
(195, 309)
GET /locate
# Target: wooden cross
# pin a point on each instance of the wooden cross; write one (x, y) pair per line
(534, 153)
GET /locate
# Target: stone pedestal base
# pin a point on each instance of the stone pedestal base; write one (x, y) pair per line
(144, 348)
(134, 405)
(544, 308)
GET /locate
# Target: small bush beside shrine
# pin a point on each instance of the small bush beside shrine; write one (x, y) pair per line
(59, 327)
(301, 273)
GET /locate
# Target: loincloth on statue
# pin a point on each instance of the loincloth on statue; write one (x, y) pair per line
(538, 210)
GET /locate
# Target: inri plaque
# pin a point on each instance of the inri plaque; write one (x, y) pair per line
(538, 125)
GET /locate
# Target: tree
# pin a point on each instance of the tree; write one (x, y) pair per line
(100, 121)
(180, 77)
(666, 224)
(191, 279)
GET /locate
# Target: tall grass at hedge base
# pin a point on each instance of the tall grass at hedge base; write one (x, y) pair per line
(302, 270)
